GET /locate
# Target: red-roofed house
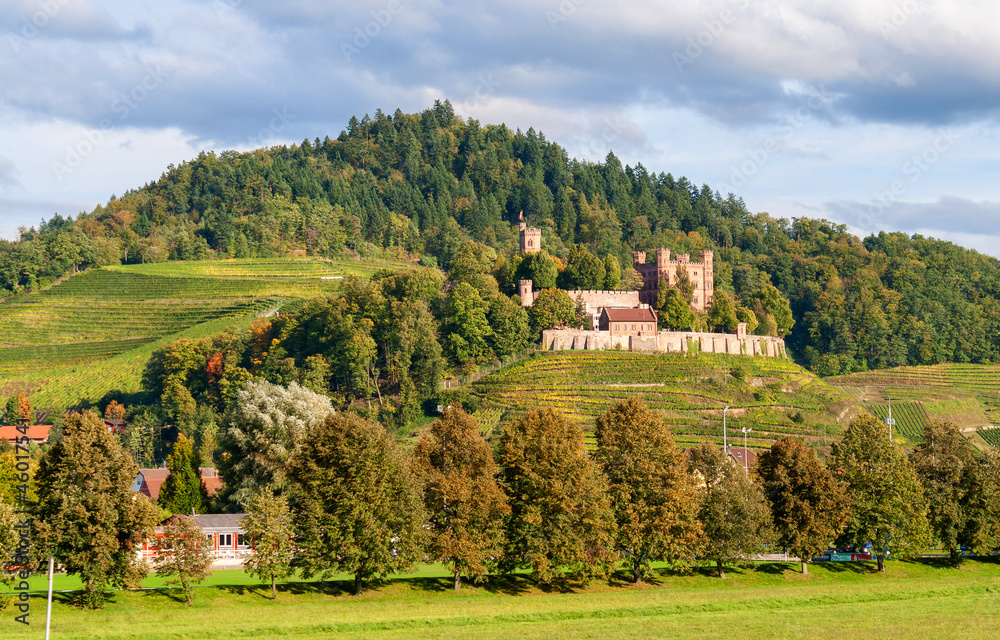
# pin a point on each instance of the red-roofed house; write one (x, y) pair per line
(149, 481)
(37, 433)
(640, 321)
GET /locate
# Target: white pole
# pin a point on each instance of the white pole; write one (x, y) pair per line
(725, 449)
(48, 613)
(746, 458)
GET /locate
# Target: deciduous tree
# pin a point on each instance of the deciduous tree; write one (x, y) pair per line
(358, 508)
(465, 505)
(889, 509)
(561, 521)
(182, 551)
(269, 528)
(552, 308)
(653, 495)
(87, 516)
(734, 511)
(808, 505)
(263, 429)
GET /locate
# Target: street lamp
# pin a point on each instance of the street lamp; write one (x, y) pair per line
(725, 449)
(746, 458)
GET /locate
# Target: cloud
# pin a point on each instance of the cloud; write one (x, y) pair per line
(8, 173)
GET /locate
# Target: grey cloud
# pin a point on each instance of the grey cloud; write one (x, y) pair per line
(8, 173)
(950, 214)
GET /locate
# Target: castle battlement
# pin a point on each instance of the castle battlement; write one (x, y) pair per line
(701, 274)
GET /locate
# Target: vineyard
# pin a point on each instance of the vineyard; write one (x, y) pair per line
(772, 397)
(92, 333)
(965, 394)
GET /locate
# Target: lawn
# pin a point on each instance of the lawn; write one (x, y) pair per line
(914, 599)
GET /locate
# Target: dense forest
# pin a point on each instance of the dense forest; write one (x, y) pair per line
(431, 185)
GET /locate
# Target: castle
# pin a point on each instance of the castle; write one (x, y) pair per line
(531, 239)
(701, 274)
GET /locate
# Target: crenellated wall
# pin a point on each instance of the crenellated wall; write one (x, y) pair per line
(664, 342)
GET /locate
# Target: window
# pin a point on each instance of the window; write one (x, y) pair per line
(616, 327)
(696, 299)
(225, 541)
(241, 540)
(633, 327)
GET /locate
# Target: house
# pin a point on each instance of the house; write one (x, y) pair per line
(222, 530)
(629, 322)
(149, 481)
(742, 457)
(37, 433)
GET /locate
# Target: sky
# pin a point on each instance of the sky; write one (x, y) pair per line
(877, 114)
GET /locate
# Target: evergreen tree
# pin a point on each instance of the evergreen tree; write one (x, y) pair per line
(269, 529)
(88, 519)
(182, 491)
(182, 552)
(511, 331)
(357, 505)
(653, 496)
(889, 508)
(722, 314)
(734, 512)
(464, 503)
(612, 273)
(9, 542)
(808, 505)
(561, 522)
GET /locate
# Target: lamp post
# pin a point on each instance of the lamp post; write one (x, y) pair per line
(725, 449)
(746, 458)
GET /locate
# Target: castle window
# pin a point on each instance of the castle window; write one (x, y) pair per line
(530, 243)
(633, 327)
(616, 327)
(696, 300)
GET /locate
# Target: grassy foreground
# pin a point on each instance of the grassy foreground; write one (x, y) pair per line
(915, 599)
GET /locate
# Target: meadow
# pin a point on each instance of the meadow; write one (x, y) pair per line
(914, 599)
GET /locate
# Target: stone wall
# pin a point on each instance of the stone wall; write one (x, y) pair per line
(594, 299)
(664, 342)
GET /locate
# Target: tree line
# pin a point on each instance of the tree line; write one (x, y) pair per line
(337, 493)
(423, 184)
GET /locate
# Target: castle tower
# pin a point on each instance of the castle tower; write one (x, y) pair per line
(531, 239)
(708, 276)
(638, 257)
(662, 256)
(524, 288)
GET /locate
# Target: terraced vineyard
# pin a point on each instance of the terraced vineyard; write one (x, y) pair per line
(774, 397)
(93, 333)
(966, 394)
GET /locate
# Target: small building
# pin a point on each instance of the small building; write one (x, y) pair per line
(742, 457)
(149, 481)
(37, 433)
(223, 531)
(629, 322)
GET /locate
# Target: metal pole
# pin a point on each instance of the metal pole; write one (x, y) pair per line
(746, 458)
(48, 613)
(725, 449)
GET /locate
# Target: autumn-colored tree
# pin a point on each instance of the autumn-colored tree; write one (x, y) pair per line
(889, 508)
(465, 505)
(809, 506)
(182, 490)
(561, 522)
(357, 505)
(183, 552)
(734, 511)
(114, 411)
(19, 408)
(87, 517)
(653, 495)
(269, 528)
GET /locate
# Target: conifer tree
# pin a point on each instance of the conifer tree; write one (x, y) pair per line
(561, 521)
(654, 498)
(182, 491)
(889, 509)
(269, 528)
(182, 551)
(87, 517)
(357, 505)
(808, 505)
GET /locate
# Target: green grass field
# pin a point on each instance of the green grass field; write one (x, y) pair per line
(770, 396)
(92, 333)
(914, 599)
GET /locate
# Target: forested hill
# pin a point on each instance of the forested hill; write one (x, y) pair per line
(426, 183)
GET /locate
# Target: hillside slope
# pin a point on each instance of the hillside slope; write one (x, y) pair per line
(772, 397)
(92, 334)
